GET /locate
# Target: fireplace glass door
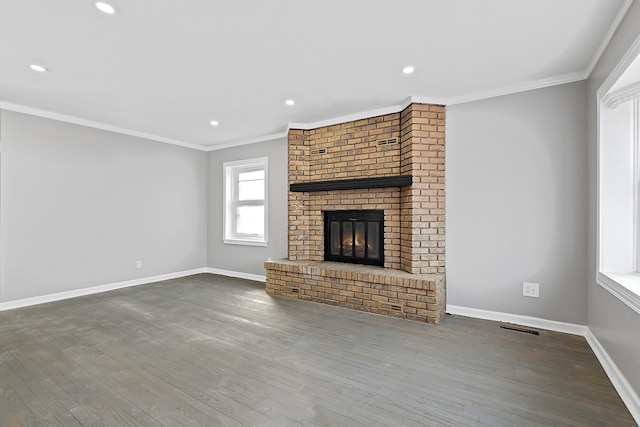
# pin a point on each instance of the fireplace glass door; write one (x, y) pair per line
(354, 236)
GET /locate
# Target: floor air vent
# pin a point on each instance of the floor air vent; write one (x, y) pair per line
(388, 306)
(519, 329)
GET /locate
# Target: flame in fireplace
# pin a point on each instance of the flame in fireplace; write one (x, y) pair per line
(357, 243)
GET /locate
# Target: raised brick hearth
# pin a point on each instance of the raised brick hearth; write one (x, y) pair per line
(412, 283)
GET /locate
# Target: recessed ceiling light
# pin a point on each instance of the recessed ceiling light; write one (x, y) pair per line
(214, 123)
(39, 68)
(105, 7)
(289, 102)
(408, 69)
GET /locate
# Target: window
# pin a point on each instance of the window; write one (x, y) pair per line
(619, 185)
(245, 220)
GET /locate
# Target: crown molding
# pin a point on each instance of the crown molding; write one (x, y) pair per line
(620, 96)
(524, 87)
(368, 114)
(423, 100)
(246, 141)
(622, 12)
(93, 124)
(348, 118)
(624, 63)
(332, 121)
(536, 84)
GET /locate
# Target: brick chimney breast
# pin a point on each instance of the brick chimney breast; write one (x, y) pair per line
(412, 283)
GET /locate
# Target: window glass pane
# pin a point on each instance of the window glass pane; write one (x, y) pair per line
(250, 221)
(251, 190)
(251, 176)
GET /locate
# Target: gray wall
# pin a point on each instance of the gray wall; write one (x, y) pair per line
(516, 202)
(79, 207)
(249, 259)
(616, 326)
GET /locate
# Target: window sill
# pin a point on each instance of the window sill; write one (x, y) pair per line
(624, 286)
(245, 242)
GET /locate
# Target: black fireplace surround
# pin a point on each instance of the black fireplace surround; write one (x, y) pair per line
(355, 236)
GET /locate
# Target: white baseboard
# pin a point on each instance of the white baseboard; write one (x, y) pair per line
(25, 302)
(532, 322)
(237, 274)
(96, 289)
(622, 386)
(620, 383)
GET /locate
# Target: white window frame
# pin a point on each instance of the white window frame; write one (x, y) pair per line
(623, 282)
(231, 170)
(636, 184)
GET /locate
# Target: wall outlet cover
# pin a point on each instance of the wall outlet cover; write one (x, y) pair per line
(530, 289)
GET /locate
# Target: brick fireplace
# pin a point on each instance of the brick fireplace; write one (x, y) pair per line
(394, 163)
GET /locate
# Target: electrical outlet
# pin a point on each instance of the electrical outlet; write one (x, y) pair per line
(531, 290)
(138, 264)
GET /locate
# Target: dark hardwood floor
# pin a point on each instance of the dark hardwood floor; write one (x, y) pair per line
(208, 350)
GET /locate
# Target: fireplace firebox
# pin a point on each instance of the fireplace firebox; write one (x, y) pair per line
(354, 236)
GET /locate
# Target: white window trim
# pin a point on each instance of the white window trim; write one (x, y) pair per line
(636, 183)
(623, 285)
(228, 180)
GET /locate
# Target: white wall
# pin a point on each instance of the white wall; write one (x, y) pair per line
(249, 259)
(516, 203)
(79, 206)
(614, 324)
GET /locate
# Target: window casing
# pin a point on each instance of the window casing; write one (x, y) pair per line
(636, 183)
(619, 192)
(245, 202)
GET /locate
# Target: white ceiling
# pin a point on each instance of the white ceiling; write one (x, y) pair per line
(165, 68)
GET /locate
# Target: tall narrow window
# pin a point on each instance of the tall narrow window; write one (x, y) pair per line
(619, 186)
(245, 220)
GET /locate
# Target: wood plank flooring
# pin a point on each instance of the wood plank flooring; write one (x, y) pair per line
(208, 350)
